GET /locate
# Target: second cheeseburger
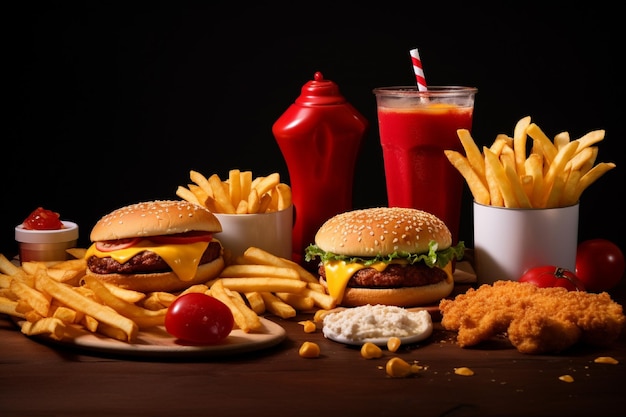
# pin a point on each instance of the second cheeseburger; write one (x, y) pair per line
(385, 255)
(156, 246)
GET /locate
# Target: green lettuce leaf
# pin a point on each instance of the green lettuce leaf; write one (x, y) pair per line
(433, 257)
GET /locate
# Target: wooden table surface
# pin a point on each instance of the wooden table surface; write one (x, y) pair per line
(38, 379)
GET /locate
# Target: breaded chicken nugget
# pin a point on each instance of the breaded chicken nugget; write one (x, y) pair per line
(536, 320)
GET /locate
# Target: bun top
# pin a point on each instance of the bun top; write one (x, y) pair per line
(382, 231)
(153, 218)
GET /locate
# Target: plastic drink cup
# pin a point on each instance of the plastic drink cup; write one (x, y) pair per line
(415, 128)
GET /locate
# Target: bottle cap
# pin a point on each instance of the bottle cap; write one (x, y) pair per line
(320, 92)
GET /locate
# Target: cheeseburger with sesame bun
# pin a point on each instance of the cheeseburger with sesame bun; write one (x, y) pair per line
(156, 246)
(386, 255)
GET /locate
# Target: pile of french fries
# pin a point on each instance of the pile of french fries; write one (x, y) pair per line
(239, 194)
(57, 298)
(554, 174)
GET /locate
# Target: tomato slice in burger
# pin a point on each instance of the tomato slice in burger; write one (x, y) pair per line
(183, 238)
(113, 245)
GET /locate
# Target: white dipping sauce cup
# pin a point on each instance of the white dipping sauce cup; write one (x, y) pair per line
(46, 245)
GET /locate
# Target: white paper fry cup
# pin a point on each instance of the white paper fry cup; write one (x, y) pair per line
(509, 241)
(268, 231)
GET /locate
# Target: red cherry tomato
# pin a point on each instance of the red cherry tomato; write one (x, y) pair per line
(183, 238)
(552, 276)
(42, 219)
(199, 318)
(599, 264)
(112, 245)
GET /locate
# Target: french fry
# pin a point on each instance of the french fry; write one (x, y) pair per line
(245, 177)
(141, 316)
(264, 203)
(130, 296)
(500, 177)
(277, 306)
(234, 186)
(495, 196)
(516, 186)
(5, 280)
(534, 168)
(472, 153)
(556, 191)
(8, 306)
(187, 194)
(250, 270)
(255, 301)
(222, 200)
(556, 168)
(254, 201)
(284, 196)
(519, 144)
(579, 160)
(51, 326)
(297, 301)
(245, 318)
(78, 253)
(65, 314)
(478, 189)
(66, 295)
(507, 156)
(590, 139)
(254, 255)
(263, 284)
(37, 301)
(592, 175)
(242, 207)
(202, 182)
(547, 147)
(568, 196)
(321, 299)
(561, 139)
(499, 143)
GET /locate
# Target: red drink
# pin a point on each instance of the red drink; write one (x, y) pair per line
(414, 132)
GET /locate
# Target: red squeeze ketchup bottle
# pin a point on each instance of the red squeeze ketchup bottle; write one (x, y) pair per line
(320, 138)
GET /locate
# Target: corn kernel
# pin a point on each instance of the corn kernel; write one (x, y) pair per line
(606, 359)
(399, 368)
(308, 326)
(309, 350)
(371, 351)
(393, 343)
(465, 371)
(566, 378)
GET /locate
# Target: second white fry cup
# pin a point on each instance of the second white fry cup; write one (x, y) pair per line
(509, 241)
(269, 231)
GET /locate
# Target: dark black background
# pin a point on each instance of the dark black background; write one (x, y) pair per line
(112, 103)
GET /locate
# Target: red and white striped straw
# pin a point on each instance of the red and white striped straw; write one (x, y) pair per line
(419, 71)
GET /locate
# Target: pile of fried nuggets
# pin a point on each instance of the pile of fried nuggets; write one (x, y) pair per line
(536, 320)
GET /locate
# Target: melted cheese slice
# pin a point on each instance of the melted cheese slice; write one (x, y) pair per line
(183, 259)
(338, 274)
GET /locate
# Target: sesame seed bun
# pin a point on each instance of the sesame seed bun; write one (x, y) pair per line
(154, 218)
(382, 231)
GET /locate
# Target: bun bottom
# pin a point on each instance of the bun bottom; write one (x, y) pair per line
(401, 297)
(164, 281)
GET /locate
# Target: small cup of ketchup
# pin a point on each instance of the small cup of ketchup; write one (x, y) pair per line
(42, 236)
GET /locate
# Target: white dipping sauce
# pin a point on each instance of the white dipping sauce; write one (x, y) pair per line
(375, 322)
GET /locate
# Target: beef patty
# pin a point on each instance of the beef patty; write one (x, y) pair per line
(394, 276)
